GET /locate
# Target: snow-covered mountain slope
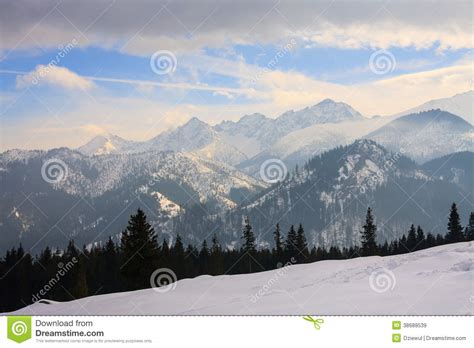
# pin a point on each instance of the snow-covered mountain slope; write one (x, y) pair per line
(235, 142)
(330, 195)
(426, 135)
(298, 146)
(326, 111)
(94, 176)
(87, 196)
(196, 137)
(106, 144)
(408, 284)
(263, 132)
(461, 104)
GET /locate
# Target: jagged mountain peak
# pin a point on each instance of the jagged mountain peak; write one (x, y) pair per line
(245, 122)
(326, 111)
(253, 118)
(195, 122)
(103, 144)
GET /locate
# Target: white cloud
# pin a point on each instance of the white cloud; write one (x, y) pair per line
(383, 97)
(188, 26)
(53, 75)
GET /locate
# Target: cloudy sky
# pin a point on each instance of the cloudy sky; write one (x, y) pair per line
(70, 70)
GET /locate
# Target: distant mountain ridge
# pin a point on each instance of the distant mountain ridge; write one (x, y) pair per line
(295, 136)
(229, 142)
(330, 194)
(461, 104)
(426, 135)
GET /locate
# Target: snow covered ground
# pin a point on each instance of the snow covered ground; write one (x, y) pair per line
(439, 280)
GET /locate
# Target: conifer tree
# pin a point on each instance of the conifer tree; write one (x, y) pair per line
(420, 238)
(301, 245)
(368, 235)
(278, 243)
(165, 254)
(190, 264)
(204, 258)
(217, 265)
(111, 265)
(177, 257)
(248, 237)
(79, 287)
(411, 239)
(291, 243)
(249, 244)
(439, 240)
(402, 245)
(455, 232)
(430, 240)
(140, 252)
(469, 232)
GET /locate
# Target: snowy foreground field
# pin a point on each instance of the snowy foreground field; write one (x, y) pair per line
(439, 280)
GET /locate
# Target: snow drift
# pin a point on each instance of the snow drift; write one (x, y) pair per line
(433, 281)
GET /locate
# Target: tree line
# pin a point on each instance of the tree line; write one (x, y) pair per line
(72, 273)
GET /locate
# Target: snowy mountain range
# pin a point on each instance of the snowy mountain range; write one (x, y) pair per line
(343, 287)
(198, 178)
(229, 142)
(83, 196)
(295, 136)
(330, 194)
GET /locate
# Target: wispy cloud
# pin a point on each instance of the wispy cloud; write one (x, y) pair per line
(52, 75)
(64, 77)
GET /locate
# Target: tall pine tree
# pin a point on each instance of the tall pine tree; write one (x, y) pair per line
(111, 264)
(140, 252)
(455, 233)
(217, 262)
(469, 232)
(278, 251)
(368, 235)
(420, 238)
(248, 247)
(301, 245)
(291, 243)
(177, 257)
(411, 239)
